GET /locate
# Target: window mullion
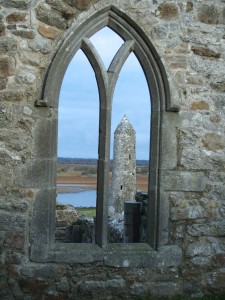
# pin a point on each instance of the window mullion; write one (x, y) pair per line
(103, 174)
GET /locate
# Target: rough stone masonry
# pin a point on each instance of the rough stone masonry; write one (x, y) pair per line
(124, 165)
(188, 38)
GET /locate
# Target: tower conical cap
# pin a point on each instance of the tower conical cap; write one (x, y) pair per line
(124, 126)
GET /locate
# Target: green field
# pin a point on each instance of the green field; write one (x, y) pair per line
(87, 211)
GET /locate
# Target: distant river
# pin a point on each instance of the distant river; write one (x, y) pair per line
(76, 195)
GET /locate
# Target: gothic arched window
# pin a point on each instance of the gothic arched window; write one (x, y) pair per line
(43, 247)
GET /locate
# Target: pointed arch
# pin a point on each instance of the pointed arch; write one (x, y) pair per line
(128, 30)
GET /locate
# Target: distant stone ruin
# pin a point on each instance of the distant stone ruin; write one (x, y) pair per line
(124, 212)
(124, 166)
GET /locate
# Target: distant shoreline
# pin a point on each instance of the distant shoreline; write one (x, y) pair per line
(90, 183)
(91, 161)
(76, 188)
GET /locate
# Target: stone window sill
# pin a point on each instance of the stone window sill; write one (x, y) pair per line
(114, 255)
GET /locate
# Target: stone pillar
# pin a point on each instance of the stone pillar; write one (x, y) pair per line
(132, 222)
(124, 166)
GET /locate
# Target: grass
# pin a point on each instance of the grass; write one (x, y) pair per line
(87, 211)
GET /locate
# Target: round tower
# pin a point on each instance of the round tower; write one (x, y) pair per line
(124, 165)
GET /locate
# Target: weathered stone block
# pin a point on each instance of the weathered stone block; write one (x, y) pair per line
(2, 237)
(63, 285)
(192, 288)
(168, 11)
(16, 17)
(201, 261)
(139, 289)
(36, 174)
(189, 6)
(201, 159)
(89, 286)
(215, 282)
(188, 213)
(8, 46)
(126, 259)
(14, 241)
(200, 248)
(3, 83)
(34, 60)
(218, 260)
(7, 66)
(209, 14)
(13, 257)
(168, 256)
(210, 229)
(34, 286)
(177, 62)
(66, 11)
(42, 45)
(19, 4)
(22, 31)
(184, 181)
(199, 105)
(205, 52)
(25, 75)
(197, 80)
(14, 206)
(50, 17)
(45, 138)
(163, 219)
(219, 101)
(41, 271)
(218, 86)
(2, 29)
(169, 148)
(50, 32)
(8, 157)
(159, 32)
(14, 140)
(71, 2)
(65, 215)
(165, 289)
(215, 119)
(4, 287)
(205, 66)
(213, 141)
(16, 223)
(81, 4)
(43, 224)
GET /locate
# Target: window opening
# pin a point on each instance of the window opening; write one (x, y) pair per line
(131, 98)
(131, 110)
(78, 119)
(42, 233)
(107, 43)
(76, 139)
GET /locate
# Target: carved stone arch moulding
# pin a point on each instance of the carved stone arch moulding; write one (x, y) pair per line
(43, 247)
(128, 30)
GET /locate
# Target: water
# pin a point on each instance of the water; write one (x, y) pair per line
(81, 199)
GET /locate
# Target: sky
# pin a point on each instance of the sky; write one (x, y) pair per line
(79, 102)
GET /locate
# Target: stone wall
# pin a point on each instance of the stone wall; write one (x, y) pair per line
(189, 37)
